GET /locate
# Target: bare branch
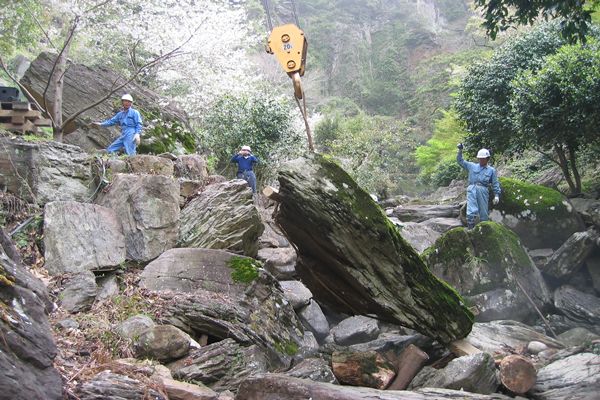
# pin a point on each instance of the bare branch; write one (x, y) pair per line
(101, 4)
(23, 88)
(39, 24)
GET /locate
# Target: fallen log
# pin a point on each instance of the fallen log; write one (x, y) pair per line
(409, 363)
(369, 369)
(517, 373)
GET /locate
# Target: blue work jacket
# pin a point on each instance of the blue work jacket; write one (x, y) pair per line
(480, 176)
(244, 163)
(130, 121)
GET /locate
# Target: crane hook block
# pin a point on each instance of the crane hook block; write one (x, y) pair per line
(288, 44)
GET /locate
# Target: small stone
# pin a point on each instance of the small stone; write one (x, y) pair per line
(68, 324)
(535, 347)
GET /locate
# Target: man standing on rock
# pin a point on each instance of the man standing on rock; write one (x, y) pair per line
(481, 176)
(131, 127)
(245, 161)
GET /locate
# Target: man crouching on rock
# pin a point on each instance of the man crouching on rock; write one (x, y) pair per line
(130, 121)
(481, 176)
(245, 161)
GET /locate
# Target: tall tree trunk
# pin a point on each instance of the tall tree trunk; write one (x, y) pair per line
(57, 82)
(576, 176)
(564, 166)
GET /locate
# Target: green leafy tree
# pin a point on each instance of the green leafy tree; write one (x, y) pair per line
(441, 148)
(557, 108)
(576, 16)
(259, 121)
(483, 99)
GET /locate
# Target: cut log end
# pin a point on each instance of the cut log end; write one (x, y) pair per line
(410, 362)
(517, 374)
(271, 193)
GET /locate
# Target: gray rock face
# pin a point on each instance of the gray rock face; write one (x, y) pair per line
(476, 374)
(79, 292)
(354, 330)
(262, 317)
(221, 366)
(420, 213)
(192, 167)
(589, 209)
(577, 337)
(419, 236)
(487, 264)
(162, 343)
(579, 307)
(27, 350)
(497, 336)
(108, 286)
(98, 82)
(278, 386)
(571, 255)
(153, 165)
(222, 217)
(81, 237)
(315, 369)
(442, 224)
(108, 385)
(313, 319)
(574, 377)
(148, 207)
(187, 270)
(133, 326)
(279, 261)
(44, 171)
(353, 259)
(296, 293)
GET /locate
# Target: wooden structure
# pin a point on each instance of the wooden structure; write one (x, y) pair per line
(20, 117)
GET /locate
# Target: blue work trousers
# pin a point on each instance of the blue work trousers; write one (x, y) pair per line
(478, 197)
(249, 177)
(127, 141)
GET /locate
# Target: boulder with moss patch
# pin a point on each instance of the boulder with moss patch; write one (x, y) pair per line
(354, 259)
(486, 265)
(542, 217)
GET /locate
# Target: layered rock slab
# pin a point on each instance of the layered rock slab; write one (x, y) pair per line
(352, 258)
(222, 217)
(148, 207)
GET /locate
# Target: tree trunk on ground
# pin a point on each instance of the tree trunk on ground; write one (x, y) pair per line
(517, 374)
(410, 362)
(576, 176)
(564, 166)
(368, 369)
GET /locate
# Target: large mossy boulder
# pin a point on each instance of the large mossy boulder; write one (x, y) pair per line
(486, 265)
(542, 217)
(354, 259)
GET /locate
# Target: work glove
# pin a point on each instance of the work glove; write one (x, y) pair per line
(460, 146)
(496, 200)
(97, 123)
(137, 139)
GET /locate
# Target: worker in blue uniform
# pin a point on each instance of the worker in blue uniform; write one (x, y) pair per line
(481, 176)
(130, 121)
(245, 161)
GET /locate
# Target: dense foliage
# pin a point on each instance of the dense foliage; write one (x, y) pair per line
(576, 16)
(536, 92)
(260, 121)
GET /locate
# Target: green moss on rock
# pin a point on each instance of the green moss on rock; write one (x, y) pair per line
(498, 245)
(522, 198)
(245, 270)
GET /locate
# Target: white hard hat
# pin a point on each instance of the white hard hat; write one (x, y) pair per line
(246, 148)
(127, 97)
(483, 153)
